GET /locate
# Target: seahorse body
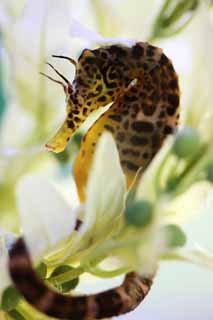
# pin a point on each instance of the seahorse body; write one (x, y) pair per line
(142, 85)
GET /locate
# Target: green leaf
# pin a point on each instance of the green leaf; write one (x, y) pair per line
(174, 235)
(68, 285)
(139, 214)
(10, 298)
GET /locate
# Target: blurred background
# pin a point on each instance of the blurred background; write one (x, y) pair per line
(32, 107)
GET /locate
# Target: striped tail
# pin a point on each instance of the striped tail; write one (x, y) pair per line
(110, 303)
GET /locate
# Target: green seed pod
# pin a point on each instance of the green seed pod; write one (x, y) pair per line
(186, 143)
(68, 285)
(10, 299)
(174, 235)
(139, 214)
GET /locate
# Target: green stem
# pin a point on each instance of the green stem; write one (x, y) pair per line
(98, 272)
(163, 23)
(111, 246)
(181, 7)
(158, 176)
(157, 24)
(195, 162)
(24, 312)
(66, 276)
(30, 313)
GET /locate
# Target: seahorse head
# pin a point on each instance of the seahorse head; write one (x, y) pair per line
(85, 94)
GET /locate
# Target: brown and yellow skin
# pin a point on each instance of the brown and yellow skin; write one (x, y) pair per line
(142, 86)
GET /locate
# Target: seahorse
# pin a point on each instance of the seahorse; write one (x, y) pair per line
(142, 86)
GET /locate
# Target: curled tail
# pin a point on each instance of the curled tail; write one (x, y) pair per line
(110, 303)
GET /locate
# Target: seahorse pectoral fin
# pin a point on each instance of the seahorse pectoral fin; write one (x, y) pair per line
(60, 140)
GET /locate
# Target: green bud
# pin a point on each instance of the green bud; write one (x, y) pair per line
(175, 236)
(139, 214)
(10, 299)
(14, 314)
(209, 172)
(68, 285)
(186, 143)
(41, 270)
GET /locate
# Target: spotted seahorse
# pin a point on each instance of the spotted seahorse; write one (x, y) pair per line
(142, 86)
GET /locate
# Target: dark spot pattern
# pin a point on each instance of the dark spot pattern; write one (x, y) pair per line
(115, 117)
(141, 114)
(139, 141)
(168, 130)
(109, 128)
(102, 99)
(137, 51)
(164, 60)
(171, 110)
(70, 124)
(148, 110)
(120, 136)
(142, 126)
(174, 100)
(130, 165)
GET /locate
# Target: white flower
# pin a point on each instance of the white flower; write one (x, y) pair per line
(46, 214)
(43, 213)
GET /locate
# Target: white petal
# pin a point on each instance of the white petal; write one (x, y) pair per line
(146, 188)
(45, 216)
(201, 257)
(197, 256)
(81, 31)
(106, 188)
